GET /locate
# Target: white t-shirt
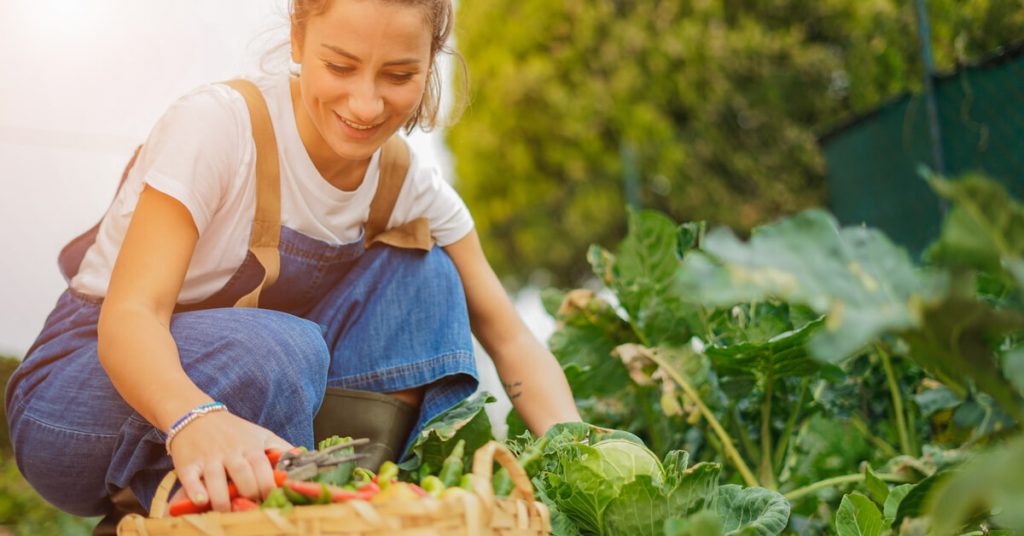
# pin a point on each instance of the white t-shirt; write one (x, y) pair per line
(201, 153)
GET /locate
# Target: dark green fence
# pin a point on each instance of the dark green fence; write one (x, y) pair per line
(872, 162)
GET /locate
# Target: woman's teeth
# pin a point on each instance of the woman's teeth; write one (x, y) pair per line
(356, 126)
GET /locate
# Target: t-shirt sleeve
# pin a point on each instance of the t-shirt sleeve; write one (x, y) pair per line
(195, 150)
(426, 194)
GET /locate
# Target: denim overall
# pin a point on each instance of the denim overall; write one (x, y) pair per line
(379, 319)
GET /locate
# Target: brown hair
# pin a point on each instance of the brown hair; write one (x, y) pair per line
(441, 17)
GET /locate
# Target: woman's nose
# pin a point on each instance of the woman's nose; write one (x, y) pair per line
(365, 102)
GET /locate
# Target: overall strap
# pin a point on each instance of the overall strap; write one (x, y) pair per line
(266, 223)
(394, 165)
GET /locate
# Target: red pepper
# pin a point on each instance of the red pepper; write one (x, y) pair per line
(241, 504)
(186, 506)
(274, 455)
(315, 490)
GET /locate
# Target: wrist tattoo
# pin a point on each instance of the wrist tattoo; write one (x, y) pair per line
(514, 390)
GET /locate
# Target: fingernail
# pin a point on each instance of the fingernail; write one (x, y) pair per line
(199, 499)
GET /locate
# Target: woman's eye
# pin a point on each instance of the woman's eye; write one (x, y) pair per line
(340, 69)
(401, 77)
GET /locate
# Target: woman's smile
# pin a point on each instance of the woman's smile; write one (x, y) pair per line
(356, 129)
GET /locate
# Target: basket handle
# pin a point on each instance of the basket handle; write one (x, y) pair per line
(161, 499)
(483, 473)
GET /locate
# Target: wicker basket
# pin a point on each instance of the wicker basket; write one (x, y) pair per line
(477, 513)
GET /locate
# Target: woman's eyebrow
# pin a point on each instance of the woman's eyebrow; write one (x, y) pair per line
(353, 57)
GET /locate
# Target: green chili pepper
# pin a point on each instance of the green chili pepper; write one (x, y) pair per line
(466, 482)
(502, 483)
(529, 459)
(277, 499)
(294, 497)
(361, 475)
(451, 469)
(387, 473)
(432, 485)
(425, 470)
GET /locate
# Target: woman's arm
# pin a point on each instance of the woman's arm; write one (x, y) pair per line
(531, 376)
(140, 356)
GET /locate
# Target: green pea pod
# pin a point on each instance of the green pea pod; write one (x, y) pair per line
(432, 485)
(387, 474)
(451, 469)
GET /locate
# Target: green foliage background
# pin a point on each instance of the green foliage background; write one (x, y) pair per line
(718, 103)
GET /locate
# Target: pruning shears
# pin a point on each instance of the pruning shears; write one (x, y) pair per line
(298, 464)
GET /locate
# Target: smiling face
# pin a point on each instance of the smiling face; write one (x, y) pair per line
(365, 65)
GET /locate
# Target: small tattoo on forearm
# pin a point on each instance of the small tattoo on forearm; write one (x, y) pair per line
(513, 390)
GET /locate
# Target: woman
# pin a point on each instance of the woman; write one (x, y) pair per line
(144, 365)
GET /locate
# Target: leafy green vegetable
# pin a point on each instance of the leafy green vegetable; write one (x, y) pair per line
(989, 483)
(752, 510)
(858, 516)
(466, 420)
(864, 283)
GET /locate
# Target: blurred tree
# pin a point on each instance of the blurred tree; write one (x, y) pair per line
(714, 104)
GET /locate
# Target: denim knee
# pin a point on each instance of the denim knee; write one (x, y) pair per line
(267, 366)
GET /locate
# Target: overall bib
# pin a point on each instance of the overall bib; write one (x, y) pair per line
(385, 313)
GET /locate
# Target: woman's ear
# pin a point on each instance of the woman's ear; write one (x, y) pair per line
(296, 43)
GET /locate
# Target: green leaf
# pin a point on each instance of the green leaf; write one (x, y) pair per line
(465, 420)
(858, 516)
(892, 502)
(990, 482)
(784, 355)
(1013, 367)
(954, 342)
(984, 228)
(589, 331)
(703, 523)
(913, 504)
(642, 274)
(936, 399)
(642, 506)
(864, 283)
(752, 510)
(878, 490)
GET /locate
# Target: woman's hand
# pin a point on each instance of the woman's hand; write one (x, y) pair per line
(219, 446)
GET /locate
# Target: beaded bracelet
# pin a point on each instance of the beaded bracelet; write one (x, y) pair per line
(192, 415)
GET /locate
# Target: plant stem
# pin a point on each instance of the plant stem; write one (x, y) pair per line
(741, 431)
(897, 401)
(783, 444)
(838, 481)
(727, 444)
(861, 427)
(767, 474)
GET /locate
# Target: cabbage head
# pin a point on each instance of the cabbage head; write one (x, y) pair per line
(618, 486)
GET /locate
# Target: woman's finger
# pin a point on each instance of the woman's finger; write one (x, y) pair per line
(189, 476)
(273, 441)
(263, 472)
(240, 471)
(217, 487)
